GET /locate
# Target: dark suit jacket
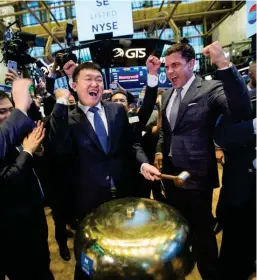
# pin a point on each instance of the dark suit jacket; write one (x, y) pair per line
(12, 132)
(20, 191)
(192, 137)
(239, 176)
(91, 169)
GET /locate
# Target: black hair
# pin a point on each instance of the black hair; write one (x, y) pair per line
(186, 51)
(86, 65)
(4, 95)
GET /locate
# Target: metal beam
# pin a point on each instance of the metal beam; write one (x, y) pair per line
(185, 16)
(9, 3)
(239, 5)
(42, 24)
(36, 10)
(161, 6)
(169, 18)
(53, 16)
(210, 6)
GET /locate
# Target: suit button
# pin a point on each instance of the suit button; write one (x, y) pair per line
(108, 177)
(250, 170)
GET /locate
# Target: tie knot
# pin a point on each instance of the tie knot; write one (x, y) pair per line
(179, 90)
(93, 109)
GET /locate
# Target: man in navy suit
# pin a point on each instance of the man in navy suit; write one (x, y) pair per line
(97, 140)
(189, 114)
(18, 125)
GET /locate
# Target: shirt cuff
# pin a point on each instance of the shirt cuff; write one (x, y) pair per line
(141, 167)
(52, 75)
(28, 152)
(224, 68)
(152, 80)
(158, 153)
(62, 100)
(70, 82)
(254, 126)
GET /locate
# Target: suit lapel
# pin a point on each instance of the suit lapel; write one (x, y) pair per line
(190, 94)
(110, 122)
(79, 116)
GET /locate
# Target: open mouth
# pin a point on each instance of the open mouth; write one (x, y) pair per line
(93, 93)
(174, 79)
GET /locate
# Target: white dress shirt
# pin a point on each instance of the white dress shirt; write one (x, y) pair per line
(90, 115)
(183, 92)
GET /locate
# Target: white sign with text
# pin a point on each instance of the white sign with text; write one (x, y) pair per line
(103, 16)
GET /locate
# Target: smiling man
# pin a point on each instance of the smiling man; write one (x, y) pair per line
(95, 137)
(189, 114)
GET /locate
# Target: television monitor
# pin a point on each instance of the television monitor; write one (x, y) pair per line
(129, 77)
(136, 77)
(163, 82)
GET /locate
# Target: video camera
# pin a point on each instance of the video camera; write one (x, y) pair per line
(17, 43)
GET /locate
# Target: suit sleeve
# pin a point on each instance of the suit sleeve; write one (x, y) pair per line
(12, 173)
(147, 106)
(230, 135)
(13, 131)
(58, 138)
(234, 97)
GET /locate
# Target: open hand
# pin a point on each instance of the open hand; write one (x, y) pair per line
(34, 139)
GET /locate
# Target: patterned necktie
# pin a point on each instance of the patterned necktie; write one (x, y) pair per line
(100, 128)
(175, 108)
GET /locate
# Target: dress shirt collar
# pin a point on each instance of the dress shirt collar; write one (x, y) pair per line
(86, 108)
(187, 86)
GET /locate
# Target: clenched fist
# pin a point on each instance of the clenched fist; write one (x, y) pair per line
(20, 94)
(216, 54)
(153, 65)
(69, 68)
(61, 92)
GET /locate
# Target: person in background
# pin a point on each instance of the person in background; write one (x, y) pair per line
(14, 128)
(252, 75)
(34, 110)
(190, 111)
(237, 198)
(24, 227)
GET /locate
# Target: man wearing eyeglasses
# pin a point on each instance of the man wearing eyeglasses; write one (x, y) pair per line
(190, 111)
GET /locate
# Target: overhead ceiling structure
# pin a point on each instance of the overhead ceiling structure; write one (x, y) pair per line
(174, 15)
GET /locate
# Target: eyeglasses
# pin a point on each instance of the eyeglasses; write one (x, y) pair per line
(4, 111)
(119, 100)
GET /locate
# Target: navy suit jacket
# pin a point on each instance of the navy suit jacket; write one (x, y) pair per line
(90, 167)
(192, 137)
(12, 132)
(239, 176)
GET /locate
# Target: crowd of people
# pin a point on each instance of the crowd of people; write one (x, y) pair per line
(88, 146)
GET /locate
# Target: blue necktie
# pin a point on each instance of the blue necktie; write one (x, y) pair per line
(100, 128)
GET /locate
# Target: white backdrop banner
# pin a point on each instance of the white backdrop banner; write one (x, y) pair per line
(103, 16)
